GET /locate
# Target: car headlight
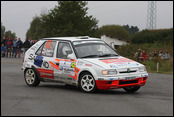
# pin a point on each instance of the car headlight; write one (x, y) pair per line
(109, 72)
(142, 69)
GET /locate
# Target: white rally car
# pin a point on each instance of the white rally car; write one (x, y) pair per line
(85, 62)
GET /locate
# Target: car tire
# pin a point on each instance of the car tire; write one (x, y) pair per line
(87, 83)
(132, 89)
(31, 78)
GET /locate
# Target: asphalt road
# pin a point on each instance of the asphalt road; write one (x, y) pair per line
(53, 99)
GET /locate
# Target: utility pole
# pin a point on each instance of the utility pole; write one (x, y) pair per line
(151, 15)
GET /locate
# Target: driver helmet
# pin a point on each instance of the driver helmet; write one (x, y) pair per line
(66, 49)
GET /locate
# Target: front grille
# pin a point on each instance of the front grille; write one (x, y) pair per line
(127, 71)
(128, 82)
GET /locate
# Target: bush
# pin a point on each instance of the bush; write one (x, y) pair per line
(153, 36)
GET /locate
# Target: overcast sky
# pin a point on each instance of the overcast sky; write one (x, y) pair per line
(17, 15)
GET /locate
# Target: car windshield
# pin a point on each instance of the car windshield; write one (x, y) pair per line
(93, 49)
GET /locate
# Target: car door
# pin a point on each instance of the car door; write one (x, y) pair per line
(44, 56)
(65, 70)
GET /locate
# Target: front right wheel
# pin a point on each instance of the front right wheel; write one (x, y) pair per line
(87, 83)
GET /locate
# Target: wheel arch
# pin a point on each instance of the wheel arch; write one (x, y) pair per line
(84, 71)
(35, 70)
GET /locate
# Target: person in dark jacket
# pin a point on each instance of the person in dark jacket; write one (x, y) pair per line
(26, 45)
(19, 46)
(4, 41)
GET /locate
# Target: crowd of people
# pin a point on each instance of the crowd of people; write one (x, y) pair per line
(12, 47)
(141, 55)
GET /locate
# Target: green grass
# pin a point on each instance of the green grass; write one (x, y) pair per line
(165, 66)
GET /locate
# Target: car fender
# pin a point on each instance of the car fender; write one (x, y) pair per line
(93, 69)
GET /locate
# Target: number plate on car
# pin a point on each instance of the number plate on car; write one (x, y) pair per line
(130, 78)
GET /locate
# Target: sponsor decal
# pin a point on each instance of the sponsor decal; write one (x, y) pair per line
(115, 65)
(66, 67)
(38, 61)
(46, 73)
(118, 61)
(88, 65)
(47, 52)
(76, 72)
(33, 48)
(31, 57)
(61, 68)
(111, 78)
(46, 64)
(82, 42)
(73, 65)
(80, 63)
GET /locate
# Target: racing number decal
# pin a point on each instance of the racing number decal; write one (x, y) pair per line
(48, 44)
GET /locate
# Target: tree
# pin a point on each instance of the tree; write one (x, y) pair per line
(10, 34)
(114, 31)
(154, 36)
(132, 30)
(69, 18)
(35, 31)
(2, 31)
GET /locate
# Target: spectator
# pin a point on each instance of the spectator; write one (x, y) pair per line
(150, 56)
(11, 39)
(15, 44)
(4, 41)
(9, 46)
(155, 54)
(144, 55)
(136, 55)
(167, 55)
(160, 52)
(30, 41)
(33, 42)
(19, 46)
(3, 49)
(163, 56)
(139, 55)
(26, 45)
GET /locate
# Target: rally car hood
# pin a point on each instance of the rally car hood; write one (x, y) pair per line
(116, 62)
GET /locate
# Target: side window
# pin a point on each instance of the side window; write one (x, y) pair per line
(63, 50)
(38, 52)
(48, 49)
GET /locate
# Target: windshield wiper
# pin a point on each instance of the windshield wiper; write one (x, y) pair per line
(89, 56)
(105, 55)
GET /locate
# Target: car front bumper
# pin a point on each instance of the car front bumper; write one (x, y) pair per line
(113, 84)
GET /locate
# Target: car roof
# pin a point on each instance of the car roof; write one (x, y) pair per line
(79, 38)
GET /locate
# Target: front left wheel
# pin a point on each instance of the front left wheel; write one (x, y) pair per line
(87, 83)
(31, 78)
